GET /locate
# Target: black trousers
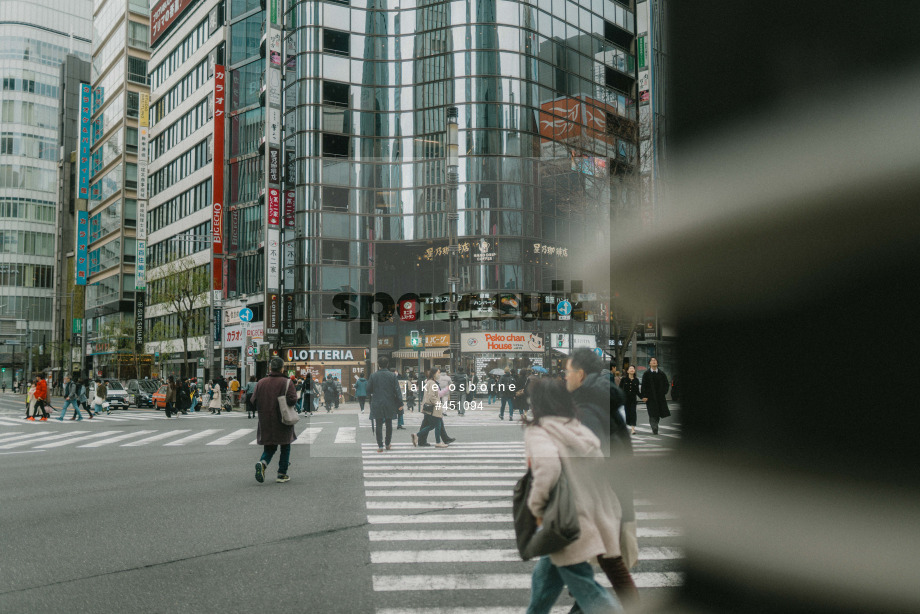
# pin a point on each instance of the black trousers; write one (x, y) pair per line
(379, 432)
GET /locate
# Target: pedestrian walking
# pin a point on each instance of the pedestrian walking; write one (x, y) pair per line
(629, 384)
(271, 432)
(99, 402)
(183, 396)
(82, 397)
(506, 389)
(432, 412)
(655, 386)
(330, 396)
(599, 406)
(491, 388)
(338, 392)
(30, 402)
(361, 390)
(216, 401)
(235, 391)
(555, 440)
(462, 382)
(386, 401)
(41, 398)
(171, 393)
(247, 397)
(519, 400)
(70, 399)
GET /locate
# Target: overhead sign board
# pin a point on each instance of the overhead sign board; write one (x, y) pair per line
(164, 13)
(501, 342)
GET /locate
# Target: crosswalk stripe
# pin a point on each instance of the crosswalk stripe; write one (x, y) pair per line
(441, 467)
(491, 555)
(385, 461)
(655, 516)
(521, 581)
(14, 422)
(193, 437)
(444, 534)
(105, 442)
(559, 609)
(308, 435)
(346, 434)
(429, 493)
(479, 444)
(67, 442)
(441, 505)
(447, 474)
(658, 532)
(447, 453)
(437, 518)
(230, 437)
(11, 435)
(166, 435)
(446, 482)
(27, 442)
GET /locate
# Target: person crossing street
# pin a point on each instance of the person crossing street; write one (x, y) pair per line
(272, 432)
(70, 399)
(655, 386)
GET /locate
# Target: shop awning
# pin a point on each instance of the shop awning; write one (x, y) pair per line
(436, 353)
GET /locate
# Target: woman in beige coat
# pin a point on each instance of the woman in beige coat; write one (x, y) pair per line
(555, 440)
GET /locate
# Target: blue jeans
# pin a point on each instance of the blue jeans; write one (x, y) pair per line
(76, 409)
(430, 423)
(399, 420)
(548, 581)
(283, 461)
(491, 398)
(501, 412)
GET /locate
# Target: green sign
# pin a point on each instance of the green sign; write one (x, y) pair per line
(78, 326)
(275, 11)
(642, 40)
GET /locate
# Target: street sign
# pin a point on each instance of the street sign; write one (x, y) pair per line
(249, 350)
(564, 308)
(246, 314)
(201, 361)
(599, 352)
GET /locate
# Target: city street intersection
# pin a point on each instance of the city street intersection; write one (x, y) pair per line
(134, 512)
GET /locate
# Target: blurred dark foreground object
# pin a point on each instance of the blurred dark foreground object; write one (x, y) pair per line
(789, 254)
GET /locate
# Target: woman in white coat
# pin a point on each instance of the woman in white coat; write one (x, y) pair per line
(215, 402)
(555, 440)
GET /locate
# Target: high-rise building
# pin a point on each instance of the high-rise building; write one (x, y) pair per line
(36, 38)
(120, 89)
(186, 187)
(69, 298)
(545, 94)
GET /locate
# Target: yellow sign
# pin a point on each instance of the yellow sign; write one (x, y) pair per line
(144, 118)
(432, 341)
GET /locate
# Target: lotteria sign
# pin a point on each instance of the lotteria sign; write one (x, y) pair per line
(501, 342)
(309, 355)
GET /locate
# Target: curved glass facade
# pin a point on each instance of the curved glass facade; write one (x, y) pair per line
(547, 128)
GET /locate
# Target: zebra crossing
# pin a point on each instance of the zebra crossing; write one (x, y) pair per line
(440, 531)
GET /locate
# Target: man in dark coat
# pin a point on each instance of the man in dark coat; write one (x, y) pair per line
(507, 386)
(386, 401)
(655, 386)
(272, 432)
(330, 394)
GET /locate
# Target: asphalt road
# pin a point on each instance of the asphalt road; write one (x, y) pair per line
(136, 513)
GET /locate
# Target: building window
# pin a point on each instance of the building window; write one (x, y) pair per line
(335, 93)
(138, 35)
(336, 41)
(134, 104)
(137, 70)
(131, 140)
(335, 199)
(335, 146)
(131, 173)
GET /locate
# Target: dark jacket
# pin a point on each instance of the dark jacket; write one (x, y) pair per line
(655, 387)
(272, 432)
(520, 392)
(386, 398)
(70, 390)
(630, 388)
(507, 380)
(183, 396)
(329, 390)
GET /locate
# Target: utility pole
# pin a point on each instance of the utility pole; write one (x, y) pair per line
(453, 247)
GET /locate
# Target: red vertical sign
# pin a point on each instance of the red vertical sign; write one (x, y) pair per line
(217, 211)
(274, 206)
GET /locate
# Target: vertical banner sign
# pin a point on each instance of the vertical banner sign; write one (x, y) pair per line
(83, 157)
(289, 257)
(289, 212)
(274, 206)
(274, 313)
(144, 116)
(234, 229)
(139, 299)
(217, 325)
(274, 165)
(217, 217)
(287, 318)
(140, 267)
(273, 258)
(82, 268)
(143, 137)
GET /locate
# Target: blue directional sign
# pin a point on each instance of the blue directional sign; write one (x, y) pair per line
(246, 314)
(564, 308)
(599, 352)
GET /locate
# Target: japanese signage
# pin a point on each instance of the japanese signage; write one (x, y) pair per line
(144, 115)
(408, 310)
(273, 322)
(217, 212)
(233, 335)
(273, 258)
(288, 315)
(290, 252)
(140, 265)
(431, 341)
(289, 209)
(163, 15)
(274, 126)
(561, 340)
(139, 300)
(274, 206)
(642, 52)
(143, 137)
(82, 264)
(274, 165)
(501, 342)
(83, 151)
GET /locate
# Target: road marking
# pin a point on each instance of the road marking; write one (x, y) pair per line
(230, 437)
(655, 515)
(522, 581)
(346, 434)
(437, 518)
(559, 609)
(27, 436)
(67, 442)
(16, 422)
(31, 441)
(446, 453)
(165, 435)
(483, 444)
(193, 437)
(429, 493)
(444, 505)
(658, 532)
(308, 435)
(445, 556)
(373, 462)
(442, 534)
(445, 482)
(447, 474)
(105, 442)
(8, 435)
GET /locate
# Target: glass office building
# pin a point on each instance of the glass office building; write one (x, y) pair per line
(546, 93)
(35, 38)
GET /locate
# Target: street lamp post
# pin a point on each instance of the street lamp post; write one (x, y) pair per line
(453, 248)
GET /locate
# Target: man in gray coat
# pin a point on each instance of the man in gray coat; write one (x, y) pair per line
(386, 400)
(272, 432)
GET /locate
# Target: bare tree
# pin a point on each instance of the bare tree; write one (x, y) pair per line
(182, 286)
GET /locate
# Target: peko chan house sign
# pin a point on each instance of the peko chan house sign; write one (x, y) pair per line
(502, 342)
(163, 15)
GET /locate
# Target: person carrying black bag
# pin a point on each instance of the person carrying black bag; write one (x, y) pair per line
(557, 444)
(386, 401)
